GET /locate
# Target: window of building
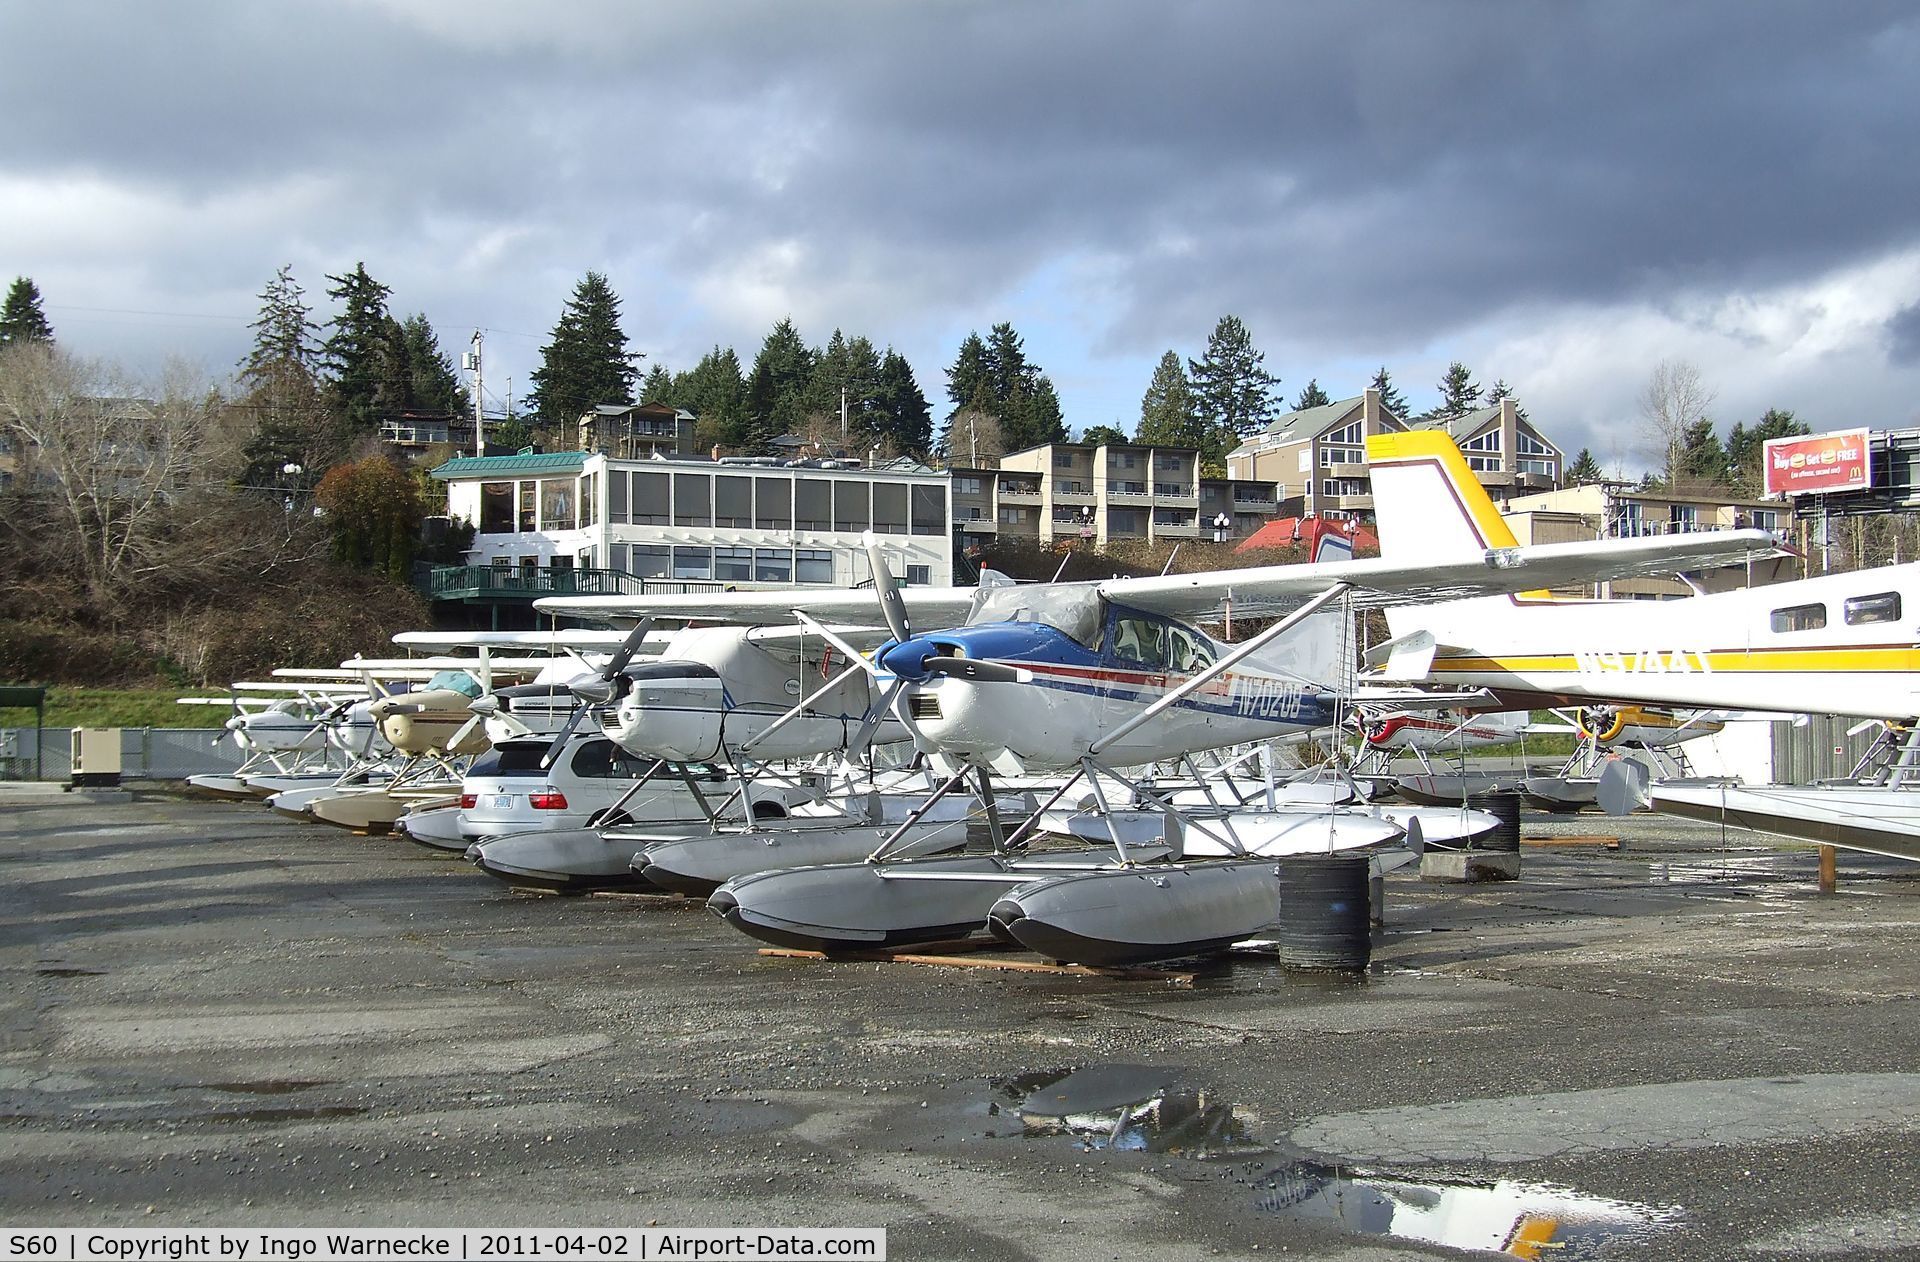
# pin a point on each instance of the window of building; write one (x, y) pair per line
(1343, 486)
(1126, 488)
(1484, 464)
(559, 563)
(1123, 459)
(587, 501)
(1126, 521)
(1684, 516)
(967, 486)
(557, 503)
(890, 508)
(852, 505)
(1528, 445)
(773, 503)
(617, 556)
(929, 503)
(693, 562)
(496, 508)
(1063, 460)
(920, 575)
(733, 565)
(529, 566)
(812, 504)
(772, 565)
(812, 565)
(1330, 456)
(618, 480)
(1881, 607)
(733, 501)
(692, 500)
(1012, 516)
(1545, 468)
(1799, 618)
(649, 561)
(649, 504)
(529, 497)
(1489, 441)
(1764, 519)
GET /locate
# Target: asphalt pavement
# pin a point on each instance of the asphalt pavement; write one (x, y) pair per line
(213, 1016)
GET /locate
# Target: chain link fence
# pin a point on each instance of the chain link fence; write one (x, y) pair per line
(146, 753)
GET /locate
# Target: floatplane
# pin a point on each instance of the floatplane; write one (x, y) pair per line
(1085, 679)
(1839, 644)
(720, 697)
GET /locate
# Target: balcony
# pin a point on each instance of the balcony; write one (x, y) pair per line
(1166, 530)
(1347, 503)
(486, 582)
(1019, 493)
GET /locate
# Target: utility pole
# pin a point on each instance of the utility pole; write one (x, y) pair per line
(843, 418)
(479, 417)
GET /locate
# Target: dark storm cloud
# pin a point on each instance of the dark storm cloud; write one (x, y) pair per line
(1903, 336)
(1362, 176)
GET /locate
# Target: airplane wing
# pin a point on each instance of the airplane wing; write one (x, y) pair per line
(927, 607)
(572, 638)
(1381, 581)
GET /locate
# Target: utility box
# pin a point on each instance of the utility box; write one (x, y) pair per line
(96, 757)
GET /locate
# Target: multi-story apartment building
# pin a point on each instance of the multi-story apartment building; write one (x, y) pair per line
(584, 521)
(1618, 510)
(1103, 494)
(1318, 456)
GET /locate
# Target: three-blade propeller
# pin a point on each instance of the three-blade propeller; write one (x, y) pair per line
(592, 690)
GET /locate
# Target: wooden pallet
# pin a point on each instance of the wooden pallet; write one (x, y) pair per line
(982, 953)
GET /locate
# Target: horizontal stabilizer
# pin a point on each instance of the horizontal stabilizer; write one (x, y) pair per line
(1405, 659)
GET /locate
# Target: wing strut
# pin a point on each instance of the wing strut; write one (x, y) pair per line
(1225, 664)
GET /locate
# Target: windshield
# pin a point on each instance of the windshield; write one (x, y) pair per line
(1070, 607)
(456, 681)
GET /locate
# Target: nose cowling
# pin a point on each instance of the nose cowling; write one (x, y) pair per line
(908, 660)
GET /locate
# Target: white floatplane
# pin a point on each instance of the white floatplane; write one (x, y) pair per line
(1087, 677)
(1838, 644)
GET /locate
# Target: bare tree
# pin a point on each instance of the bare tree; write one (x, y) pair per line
(1673, 401)
(106, 461)
(975, 439)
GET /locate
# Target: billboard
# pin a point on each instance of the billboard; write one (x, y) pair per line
(1840, 461)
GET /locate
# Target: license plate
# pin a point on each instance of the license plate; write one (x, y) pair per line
(500, 801)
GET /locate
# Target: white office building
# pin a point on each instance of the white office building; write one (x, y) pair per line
(677, 524)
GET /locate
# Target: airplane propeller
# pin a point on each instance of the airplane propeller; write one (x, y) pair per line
(596, 690)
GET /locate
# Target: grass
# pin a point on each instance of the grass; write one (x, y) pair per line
(121, 707)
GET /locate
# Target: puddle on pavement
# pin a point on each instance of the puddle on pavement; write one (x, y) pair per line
(71, 972)
(1126, 1108)
(1140, 1108)
(1523, 1220)
(271, 1086)
(287, 1115)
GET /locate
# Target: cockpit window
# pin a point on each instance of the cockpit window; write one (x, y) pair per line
(1187, 653)
(1140, 640)
(1880, 607)
(1799, 618)
(1074, 608)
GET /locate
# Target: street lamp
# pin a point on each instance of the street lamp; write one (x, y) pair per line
(1222, 526)
(1086, 523)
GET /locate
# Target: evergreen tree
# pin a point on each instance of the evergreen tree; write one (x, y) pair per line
(715, 391)
(587, 362)
(658, 386)
(1703, 461)
(1166, 410)
(279, 384)
(1584, 471)
(1501, 390)
(1231, 387)
(1390, 397)
(778, 387)
(1033, 416)
(433, 384)
(966, 381)
(1458, 394)
(1102, 435)
(21, 319)
(359, 356)
(1311, 397)
(848, 371)
(908, 419)
(1747, 447)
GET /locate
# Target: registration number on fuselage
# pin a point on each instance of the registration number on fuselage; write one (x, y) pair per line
(1645, 662)
(1259, 698)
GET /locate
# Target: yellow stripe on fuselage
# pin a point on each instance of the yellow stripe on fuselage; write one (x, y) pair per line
(1874, 660)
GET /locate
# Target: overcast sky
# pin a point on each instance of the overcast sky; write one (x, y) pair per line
(1559, 195)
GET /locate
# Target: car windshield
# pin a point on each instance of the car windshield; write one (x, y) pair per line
(1070, 607)
(516, 758)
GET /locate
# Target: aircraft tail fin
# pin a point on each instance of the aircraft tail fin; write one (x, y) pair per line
(1428, 506)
